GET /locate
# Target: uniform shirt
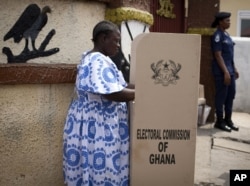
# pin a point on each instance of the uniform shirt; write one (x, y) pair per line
(221, 41)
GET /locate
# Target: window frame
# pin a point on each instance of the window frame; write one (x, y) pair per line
(242, 14)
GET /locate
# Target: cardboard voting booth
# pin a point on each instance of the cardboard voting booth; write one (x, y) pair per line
(165, 71)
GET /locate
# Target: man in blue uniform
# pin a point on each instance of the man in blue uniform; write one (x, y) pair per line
(224, 72)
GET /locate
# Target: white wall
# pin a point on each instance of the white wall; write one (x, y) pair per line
(242, 63)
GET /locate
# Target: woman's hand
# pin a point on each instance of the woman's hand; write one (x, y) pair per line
(236, 73)
(227, 78)
(123, 96)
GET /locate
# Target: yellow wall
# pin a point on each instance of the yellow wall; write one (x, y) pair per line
(31, 127)
(233, 6)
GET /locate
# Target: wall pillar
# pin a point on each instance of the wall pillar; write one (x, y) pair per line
(200, 17)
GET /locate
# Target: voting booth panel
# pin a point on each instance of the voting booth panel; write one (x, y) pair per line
(165, 70)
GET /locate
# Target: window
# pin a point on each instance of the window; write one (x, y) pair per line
(243, 27)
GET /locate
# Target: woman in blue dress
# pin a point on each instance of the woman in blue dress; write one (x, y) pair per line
(96, 132)
(224, 72)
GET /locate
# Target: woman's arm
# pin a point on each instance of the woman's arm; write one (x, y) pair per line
(125, 95)
(220, 61)
(237, 75)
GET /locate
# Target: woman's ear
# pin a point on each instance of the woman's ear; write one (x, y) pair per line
(102, 37)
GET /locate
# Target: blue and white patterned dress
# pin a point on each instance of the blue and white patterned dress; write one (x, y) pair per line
(96, 133)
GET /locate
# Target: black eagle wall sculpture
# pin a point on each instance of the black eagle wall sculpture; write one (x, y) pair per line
(28, 26)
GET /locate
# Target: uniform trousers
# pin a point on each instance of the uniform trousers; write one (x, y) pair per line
(224, 96)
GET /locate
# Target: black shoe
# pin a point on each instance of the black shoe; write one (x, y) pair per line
(222, 126)
(231, 125)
